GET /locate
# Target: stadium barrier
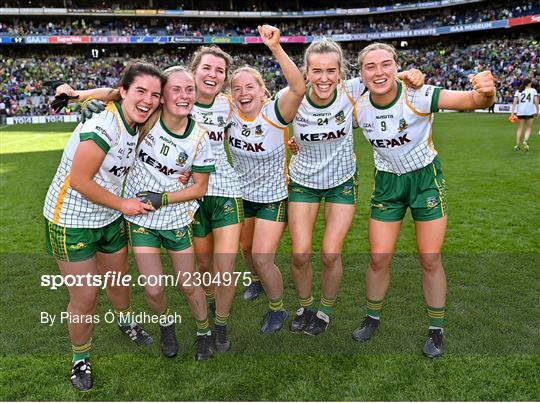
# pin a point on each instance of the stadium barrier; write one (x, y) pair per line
(17, 120)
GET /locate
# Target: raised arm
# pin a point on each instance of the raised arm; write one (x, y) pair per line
(102, 94)
(290, 99)
(481, 96)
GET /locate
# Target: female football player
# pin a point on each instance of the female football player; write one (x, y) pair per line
(83, 209)
(397, 121)
(526, 103)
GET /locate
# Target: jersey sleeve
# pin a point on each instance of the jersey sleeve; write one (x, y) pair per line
(101, 131)
(516, 94)
(425, 99)
(204, 158)
(271, 112)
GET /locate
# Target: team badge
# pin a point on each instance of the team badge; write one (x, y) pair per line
(380, 206)
(402, 125)
(227, 207)
(245, 130)
(180, 233)
(182, 158)
(140, 230)
(220, 121)
(431, 202)
(340, 118)
(347, 190)
(79, 245)
(271, 207)
(258, 130)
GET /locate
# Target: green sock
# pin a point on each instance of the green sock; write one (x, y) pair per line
(221, 320)
(307, 303)
(123, 316)
(436, 317)
(326, 305)
(276, 304)
(203, 327)
(210, 297)
(81, 352)
(374, 308)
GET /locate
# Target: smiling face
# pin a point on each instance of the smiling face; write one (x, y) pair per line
(179, 94)
(210, 76)
(247, 93)
(379, 73)
(141, 99)
(323, 74)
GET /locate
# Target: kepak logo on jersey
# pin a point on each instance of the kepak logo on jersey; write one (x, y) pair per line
(390, 143)
(216, 136)
(153, 163)
(323, 136)
(119, 171)
(340, 118)
(244, 145)
(182, 158)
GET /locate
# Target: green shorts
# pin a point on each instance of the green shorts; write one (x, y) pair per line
(78, 244)
(216, 212)
(275, 211)
(171, 239)
(346, 193)
(423, 190)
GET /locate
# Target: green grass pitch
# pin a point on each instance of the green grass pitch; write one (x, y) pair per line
(491, 258)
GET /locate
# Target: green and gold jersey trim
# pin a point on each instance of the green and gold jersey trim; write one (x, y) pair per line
(398, 95)
(203, 168)
(308, 89)
(96, 139)
(129, 129)
(187, 132)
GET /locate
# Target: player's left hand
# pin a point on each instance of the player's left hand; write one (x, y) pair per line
(483, 83)
(154, 199)
(293, 146)
(269, 35)
(412, 78)
(90, 107)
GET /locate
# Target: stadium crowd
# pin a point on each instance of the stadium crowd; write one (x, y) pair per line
(329, 26)
(23, 89)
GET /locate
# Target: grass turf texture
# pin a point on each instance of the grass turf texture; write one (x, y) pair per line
(491, 260)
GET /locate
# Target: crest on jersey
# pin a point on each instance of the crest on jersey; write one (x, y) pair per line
(182, 158)
(431, 202)
(227, 207)
(258, 130)
(245, 130)
(402, 125)
(220, 121)
(340, 118)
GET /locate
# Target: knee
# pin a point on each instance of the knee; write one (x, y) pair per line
(189, 290)
(154, 294)
(380, 262)
(430, 262)
(301, 260)
(262, 260)
(330, 259)
(85, 300)
(204, 263)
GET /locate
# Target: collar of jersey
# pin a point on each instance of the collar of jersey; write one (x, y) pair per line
(129, 129)
(189, 128)
(319, 106)
(391, 103)
(206, 106)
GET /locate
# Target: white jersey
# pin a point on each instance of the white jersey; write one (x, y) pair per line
(525, 105)
(324, 135)
(258, 150)
(65, 206)
(161, 158)
(400, 133)
(214, 119)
